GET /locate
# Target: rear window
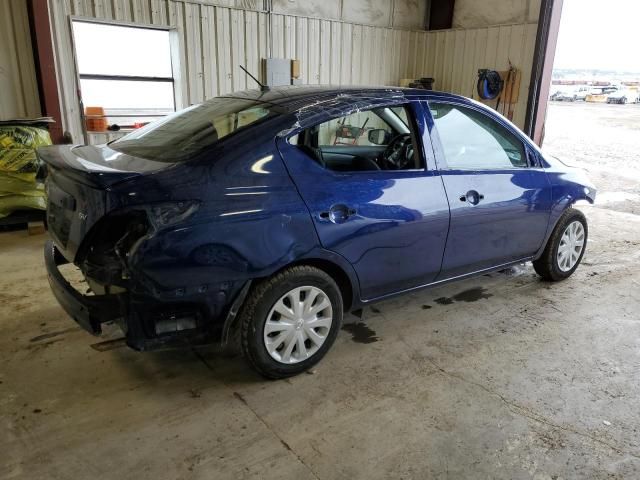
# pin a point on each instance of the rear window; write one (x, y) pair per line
(181, 135)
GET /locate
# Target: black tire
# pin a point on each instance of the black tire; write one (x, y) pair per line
(259, 303)
(547, 265)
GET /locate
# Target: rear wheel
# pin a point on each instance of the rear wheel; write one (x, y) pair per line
(290, 321)
(565, 248)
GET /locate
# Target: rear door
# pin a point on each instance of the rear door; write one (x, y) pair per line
(500, 198)
(391, 225)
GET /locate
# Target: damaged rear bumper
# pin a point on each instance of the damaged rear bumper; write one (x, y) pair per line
(88, 311)
(150, 320)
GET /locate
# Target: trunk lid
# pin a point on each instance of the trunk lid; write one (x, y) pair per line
(80, 188)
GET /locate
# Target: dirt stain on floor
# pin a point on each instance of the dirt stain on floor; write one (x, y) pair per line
(109, 344)
(36, 347)
(443, 301)
(49, 335)
(471, 295)
(360, 333)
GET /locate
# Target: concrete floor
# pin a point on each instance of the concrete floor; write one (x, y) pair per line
(604, 139)
(503, 376)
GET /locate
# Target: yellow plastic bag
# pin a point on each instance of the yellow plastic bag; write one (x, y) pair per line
(18, 167)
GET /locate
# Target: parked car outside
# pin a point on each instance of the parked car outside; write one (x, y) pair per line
(624, 96)
(554, 94)
(573, 94)
(240, 219)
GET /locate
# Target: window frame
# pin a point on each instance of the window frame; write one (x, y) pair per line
(174, 56)
(439, 147)
(413, 129)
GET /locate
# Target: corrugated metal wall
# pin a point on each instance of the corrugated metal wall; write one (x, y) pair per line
(18, 87)
(214, 40)
(453, 58)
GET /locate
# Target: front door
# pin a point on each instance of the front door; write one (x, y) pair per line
(374, 196)
(500, 200)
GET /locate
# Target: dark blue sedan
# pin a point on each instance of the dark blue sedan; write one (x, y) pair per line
(260, 217)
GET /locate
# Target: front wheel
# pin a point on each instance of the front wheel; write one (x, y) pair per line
(565, 248)
(289, 322)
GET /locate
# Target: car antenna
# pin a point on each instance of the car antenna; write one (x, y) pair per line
(263, 88)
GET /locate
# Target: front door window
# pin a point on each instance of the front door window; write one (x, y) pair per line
(473, 141)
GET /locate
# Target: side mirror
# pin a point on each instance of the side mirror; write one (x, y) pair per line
(378, 136)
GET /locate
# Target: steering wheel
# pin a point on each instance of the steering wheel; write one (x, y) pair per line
(399, 153)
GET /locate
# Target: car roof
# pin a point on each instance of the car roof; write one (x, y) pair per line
(294, 98)
(315, 104)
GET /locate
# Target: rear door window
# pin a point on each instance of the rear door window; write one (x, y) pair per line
(379, 139)
(353, 129)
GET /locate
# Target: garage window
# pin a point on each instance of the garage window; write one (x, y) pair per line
(126, 70)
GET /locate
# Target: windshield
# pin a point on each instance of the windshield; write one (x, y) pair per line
(183, 134)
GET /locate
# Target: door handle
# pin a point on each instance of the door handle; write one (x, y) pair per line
(472, 197)
(338, 213)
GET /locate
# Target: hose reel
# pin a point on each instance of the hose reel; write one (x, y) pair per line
(490, 84)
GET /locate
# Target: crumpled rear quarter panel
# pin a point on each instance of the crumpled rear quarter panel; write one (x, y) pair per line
(250, 223)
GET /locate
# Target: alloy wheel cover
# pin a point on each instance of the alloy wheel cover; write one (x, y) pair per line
(571, 246)
(298, 324)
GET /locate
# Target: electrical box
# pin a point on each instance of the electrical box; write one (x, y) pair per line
(277, 71)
